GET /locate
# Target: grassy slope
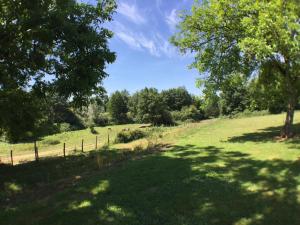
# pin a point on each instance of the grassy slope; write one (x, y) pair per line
(72, 139)
(220, 172)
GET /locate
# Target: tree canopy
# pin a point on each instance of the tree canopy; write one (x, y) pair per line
(176, 98)
(147, 106)
(118, 106)
(234, 95)
(255, 38)
(51, 46)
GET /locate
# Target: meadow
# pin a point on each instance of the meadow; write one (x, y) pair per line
(52, 145)
(221, 171)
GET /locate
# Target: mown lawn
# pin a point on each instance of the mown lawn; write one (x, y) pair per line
(218, 172)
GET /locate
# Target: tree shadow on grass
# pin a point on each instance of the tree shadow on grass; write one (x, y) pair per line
(266, 135)
(187, 185)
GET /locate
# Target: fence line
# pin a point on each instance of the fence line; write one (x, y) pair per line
(15, 157)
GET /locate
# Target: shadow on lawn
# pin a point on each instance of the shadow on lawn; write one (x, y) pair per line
(267, 135)
(187, 185)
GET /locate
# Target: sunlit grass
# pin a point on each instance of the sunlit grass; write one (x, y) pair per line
(71, 138)
(215, 172)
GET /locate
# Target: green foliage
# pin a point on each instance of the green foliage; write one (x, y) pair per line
(197, 101)
(50, 46)
(65, 127)
(69, 43)
(248, 37)
(188, 113)
(176, 98)
(266, 97)
(248, 113)
(94, 114)
(20, 115)
(102, 119)
(133, 106)
(147, 106)
(93, 130)
(210, 102)
(59, 110)
(126, 136)
(234, 95)
(118, 107)
(237, 95)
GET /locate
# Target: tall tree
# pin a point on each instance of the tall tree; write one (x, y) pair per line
(251, 37)
(177, 98)
(52, 46)
(118, 106)
(147, 106)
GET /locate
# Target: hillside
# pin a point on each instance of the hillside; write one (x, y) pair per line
(223, 171)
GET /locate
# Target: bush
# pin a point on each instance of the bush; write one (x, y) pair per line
(129, 135)
(190, 113)
(64, 127)
(176, 115)
(92, 130)
(164, 119)
(102, 120)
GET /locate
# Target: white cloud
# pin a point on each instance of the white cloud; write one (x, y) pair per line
(155, 44)
(128, 39)
(172, 19)
(138, 41)
(131, 12)
(148, 44)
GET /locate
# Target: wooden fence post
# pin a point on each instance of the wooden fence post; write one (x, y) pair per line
(108, 135)
(64, 150)
(11, 157)
(96, 142)
(82, 145)
(36, 152)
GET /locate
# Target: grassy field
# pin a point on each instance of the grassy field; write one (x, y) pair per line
(52, 145)
(215, 172)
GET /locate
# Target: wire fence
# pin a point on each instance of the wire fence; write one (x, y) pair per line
(37, 152)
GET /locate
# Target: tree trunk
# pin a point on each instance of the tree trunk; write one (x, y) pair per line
(287, 131)
(292, 99)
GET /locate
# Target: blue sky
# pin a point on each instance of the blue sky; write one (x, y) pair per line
(145, 58)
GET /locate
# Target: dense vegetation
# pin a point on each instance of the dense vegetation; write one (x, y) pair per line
(178, 105)
(50, 48)
(149, 106)
(245, 70)
(252, 38)
(152, 164)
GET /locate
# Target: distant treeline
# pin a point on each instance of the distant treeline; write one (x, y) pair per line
(55, 114)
